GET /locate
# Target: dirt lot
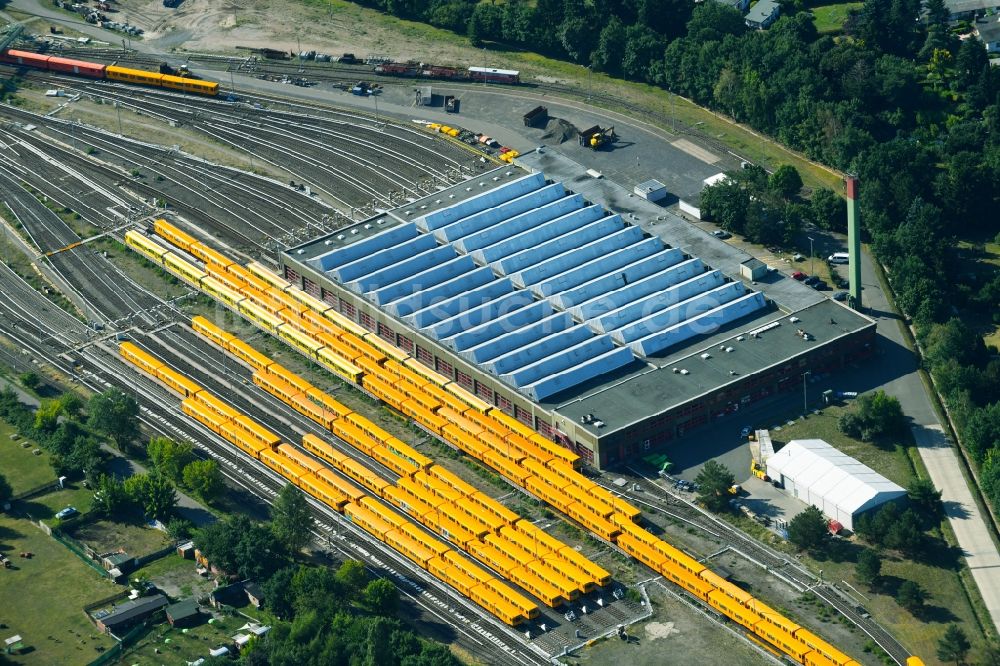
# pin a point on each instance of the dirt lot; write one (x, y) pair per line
(105, 536)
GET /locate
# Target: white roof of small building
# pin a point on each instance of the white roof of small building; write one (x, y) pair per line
(839, 479)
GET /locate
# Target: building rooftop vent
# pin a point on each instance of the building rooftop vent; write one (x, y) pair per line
(794, 320)
(729, 350)
(685, 372)
(368, 226)
(706, 356)
(354, 231)
(340, 236)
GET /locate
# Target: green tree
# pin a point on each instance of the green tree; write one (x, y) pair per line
(204, 478)
(153, 493)
(869, 567)
(72, 404)
(5, 490)
(47, 415)
(29, 380)
(726, 204)
(241, 546)
(169, 457)
(714, 481)
(906, 534)
(180, 528)
(808, 530)
(353, 576)
(381, 597)
(290, 519)
(280, 594)
(828, 210)
(911, 596)
(110, 497)
(926, 499)
(954, 645)
(116, 414)
(83, 458)
(607, 56)
(785, 181)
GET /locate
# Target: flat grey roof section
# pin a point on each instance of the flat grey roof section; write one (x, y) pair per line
(383, 220)
(628, 397)
(655, 220)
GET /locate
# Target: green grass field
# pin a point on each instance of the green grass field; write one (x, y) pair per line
(939, 574)
(166, 645)
(829, 19)
(22, 469)
(42, 599)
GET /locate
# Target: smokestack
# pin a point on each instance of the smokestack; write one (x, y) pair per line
(854, 241)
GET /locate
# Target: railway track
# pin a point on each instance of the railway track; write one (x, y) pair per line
(656, 496)
(42, 335)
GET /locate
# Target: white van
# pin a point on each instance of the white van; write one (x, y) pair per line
(839, 258)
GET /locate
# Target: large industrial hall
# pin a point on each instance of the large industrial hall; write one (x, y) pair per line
(611, 332)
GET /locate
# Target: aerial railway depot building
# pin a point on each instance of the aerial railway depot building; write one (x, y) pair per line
(610, 333)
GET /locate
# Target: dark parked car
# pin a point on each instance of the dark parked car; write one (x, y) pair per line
(799, 275)
(840, 296)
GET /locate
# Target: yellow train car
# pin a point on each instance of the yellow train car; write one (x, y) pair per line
(462, 440)
(303, 405)
(321, 449)
(220, 292)
(353, 435)
(528, 609)
(283, 466)
(199, 412)
(324, 492)
(623, 508)
(348, 326)
(421, 414)
(248, 279)
(409, 547)
(248, 355)
(419, 368)
(261, 272)
(329, 477)
(211, 332)
(493, 506)
(305, 298)
(599, 506)
(238, 436)
(428, 541)
(146, 246)
(507, 612)
(338, 366)
(301, 341)
(276, 386)
(397, 464)
(384, 391)
(336, 346)
(327, 402)
(189, 85)
(256, 431)
(301, 459)
(363, 350)
(451, 480)
(368, 520)
(358, 472)
(375, 433)
(388, 349)
(563, 454)
(468, 398)
(216, 405)
(545, 592)
(424, 494)
(139, 358)
(210, 256)
(289, 377)
(508, 468)
(259, 316)
(177, 382)
(408, 453)
(595, 572)
(480, 514)
(173, 234)
(499, 561)
(317, 321)
(183, 269)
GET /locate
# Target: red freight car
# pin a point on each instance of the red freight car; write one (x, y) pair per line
(79, 67)
(26, 58)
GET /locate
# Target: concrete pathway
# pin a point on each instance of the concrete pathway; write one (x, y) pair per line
(941, 459)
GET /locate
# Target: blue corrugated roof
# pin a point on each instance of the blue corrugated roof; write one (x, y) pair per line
(505, 211)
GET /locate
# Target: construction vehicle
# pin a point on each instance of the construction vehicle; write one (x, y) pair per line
(761, 449)
(597, 137)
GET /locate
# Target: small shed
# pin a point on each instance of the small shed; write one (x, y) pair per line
(254, 594)
(424, 96)
(651, 190)
(131, 613)
(691, 205)
(186, 550)
(537, 117)
(835, 483)
(184, 613)
(753, 269)
(219, 651)
(121, 560)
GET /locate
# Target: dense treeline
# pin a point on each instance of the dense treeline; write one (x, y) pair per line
(897, 99)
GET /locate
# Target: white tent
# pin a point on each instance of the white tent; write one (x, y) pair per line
(835, 483)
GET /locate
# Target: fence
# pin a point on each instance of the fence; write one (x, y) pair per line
(126, 641)
(37, 490)
(163, 552)
(79, 550)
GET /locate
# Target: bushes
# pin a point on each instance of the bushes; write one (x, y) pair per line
(874, 416)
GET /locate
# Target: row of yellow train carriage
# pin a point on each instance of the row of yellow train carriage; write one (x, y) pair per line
(475, 427)
(313, 477)
(478, 524)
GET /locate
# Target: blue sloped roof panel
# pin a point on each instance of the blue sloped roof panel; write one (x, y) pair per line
(576, 256)
(505, 211)
(568, 223)
(622, 277)
(475, 316)
(379, 259)
(488, 199)
(630, 289)
(519, 339)
(500, 326)
(529, 220)
(431, 277)
(601, 265)
(559, 360)
(655, 302)
(427, 297)
(680, 312)
(554, 341)
(354, 251)
(703, 324)
(435, 312)
(617, 358)
(399, 270)
(540, 251)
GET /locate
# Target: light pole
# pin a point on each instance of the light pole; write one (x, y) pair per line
(805, 392)
(812, 262)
